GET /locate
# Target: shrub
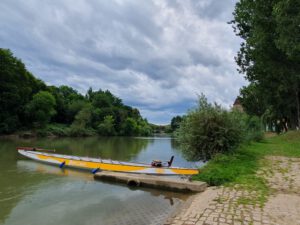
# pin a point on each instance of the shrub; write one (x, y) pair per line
(60, 130)
(208, 130)
(81, 132)
(251, 126)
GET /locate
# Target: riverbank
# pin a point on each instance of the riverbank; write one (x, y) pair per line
(265, 189)
(62, 130)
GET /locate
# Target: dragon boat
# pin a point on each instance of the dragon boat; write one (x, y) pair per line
(97, 164)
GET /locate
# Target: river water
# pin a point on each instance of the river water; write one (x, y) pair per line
(33, 193)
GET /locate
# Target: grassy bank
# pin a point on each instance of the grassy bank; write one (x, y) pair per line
(240, 168)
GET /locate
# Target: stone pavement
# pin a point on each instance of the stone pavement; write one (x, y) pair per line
(236, 206)
(218, 206)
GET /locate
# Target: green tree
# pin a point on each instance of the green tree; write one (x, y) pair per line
(130, 127)
(144, 127)
(17, 87)
(83, 117)
(287, 17)
(175, 122)
(106, 128)
(66, 97)
(41, 108)
(19, 109)
(252, 99)
(265, 58)
(82, 123)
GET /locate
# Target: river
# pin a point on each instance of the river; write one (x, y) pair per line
(33, 193)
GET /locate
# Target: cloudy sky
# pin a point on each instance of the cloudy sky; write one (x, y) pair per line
(156, 55)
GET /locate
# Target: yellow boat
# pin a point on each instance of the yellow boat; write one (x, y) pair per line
(98, 164)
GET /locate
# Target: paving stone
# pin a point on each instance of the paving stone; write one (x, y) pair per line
(225, 208)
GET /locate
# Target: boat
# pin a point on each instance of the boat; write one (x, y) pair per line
(97, 164)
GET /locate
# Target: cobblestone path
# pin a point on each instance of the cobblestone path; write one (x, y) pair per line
(234, 206)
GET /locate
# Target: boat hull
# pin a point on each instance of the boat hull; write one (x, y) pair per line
(94, 164)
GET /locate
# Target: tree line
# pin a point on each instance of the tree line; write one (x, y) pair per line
(269, 57)
(28, 103)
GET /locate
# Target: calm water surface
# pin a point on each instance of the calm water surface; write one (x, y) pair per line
(32, 193)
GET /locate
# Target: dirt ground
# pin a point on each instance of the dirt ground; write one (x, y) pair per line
(283, 207)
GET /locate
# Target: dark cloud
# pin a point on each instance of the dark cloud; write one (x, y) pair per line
(156, 55)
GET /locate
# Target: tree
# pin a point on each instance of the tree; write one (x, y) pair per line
(265, 58)
(65, 97)
(175, 122)
(106, 128)
(129, 127)
(82, 123)
(287, 17)
(144, 128)
(83, 117)
(252, 99)
(26, 100)
(17, 87)
(41, 108)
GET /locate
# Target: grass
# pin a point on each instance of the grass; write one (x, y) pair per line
(240, 168)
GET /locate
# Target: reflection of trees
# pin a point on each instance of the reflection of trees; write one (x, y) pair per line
(14, 184)
(118, 148)
(176, 147)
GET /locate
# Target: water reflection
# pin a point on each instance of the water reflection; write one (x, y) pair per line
(35, 193)
(118, 148)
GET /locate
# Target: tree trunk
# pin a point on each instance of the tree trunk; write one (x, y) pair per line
(298, 108)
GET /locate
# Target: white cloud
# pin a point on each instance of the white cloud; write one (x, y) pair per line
(156, 55)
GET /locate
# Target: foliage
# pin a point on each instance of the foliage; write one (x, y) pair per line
(241, 166)
(144, 128)
(41, 108)
(59, 130)
(269, 56)
(17, 86)
(81, 125)
(250, 126)
(175, 123)
(252, 100)
(22, 107)
(69, 103)
(130, 127)
(208, 130)
(106, 128)
(161, 129)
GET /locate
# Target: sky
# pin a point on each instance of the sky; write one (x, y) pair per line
(156, 55)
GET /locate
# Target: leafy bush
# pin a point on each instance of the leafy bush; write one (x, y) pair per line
(81, 132)
(251, 126)
(60, 130)
(209, 129)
